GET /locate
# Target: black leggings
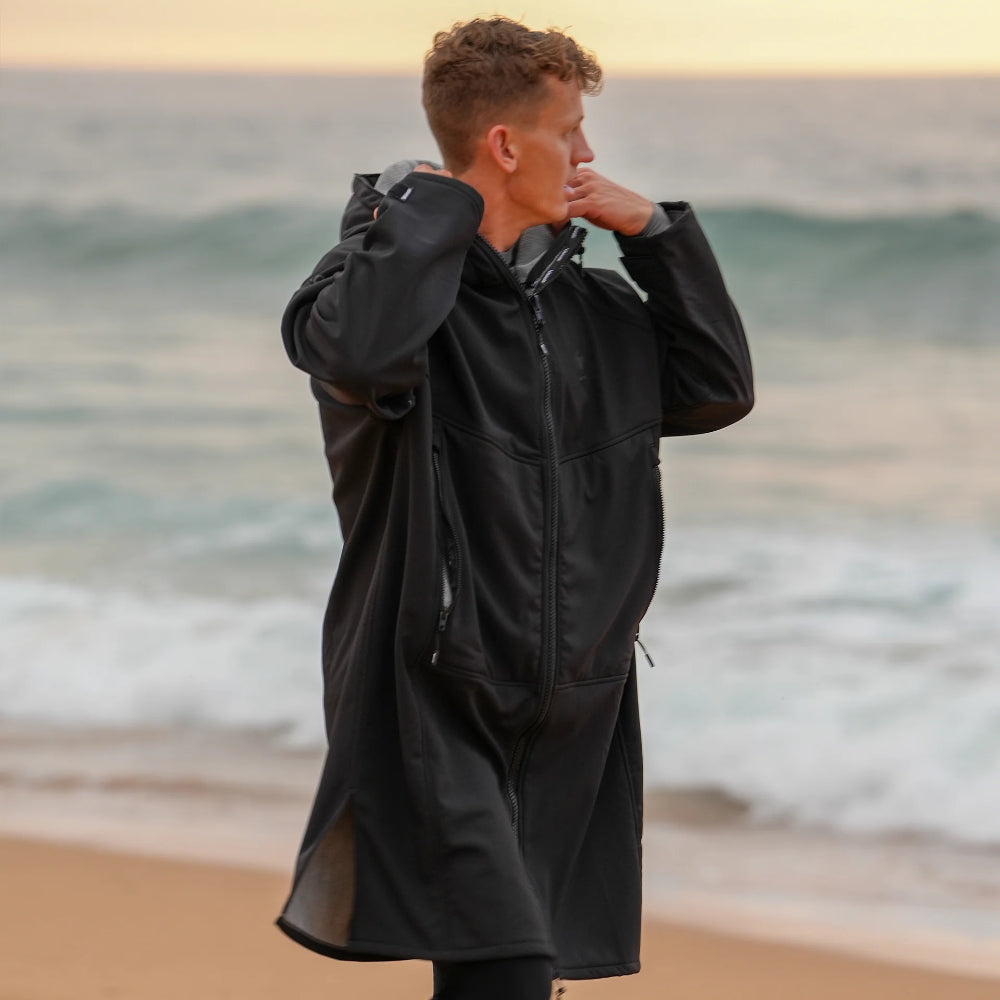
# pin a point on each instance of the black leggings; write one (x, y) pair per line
(528, 978)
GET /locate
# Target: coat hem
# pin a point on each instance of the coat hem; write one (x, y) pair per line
(379, 951)
(598, 971)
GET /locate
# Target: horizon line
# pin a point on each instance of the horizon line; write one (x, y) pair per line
(800, 73)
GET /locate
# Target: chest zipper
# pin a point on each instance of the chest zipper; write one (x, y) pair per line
(450, 564)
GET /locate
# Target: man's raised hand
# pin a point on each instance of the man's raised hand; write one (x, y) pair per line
(608, 205)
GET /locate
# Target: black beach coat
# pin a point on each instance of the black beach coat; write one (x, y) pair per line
(494, 455)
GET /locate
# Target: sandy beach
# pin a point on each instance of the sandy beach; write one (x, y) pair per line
(149, 864)
(81, 924)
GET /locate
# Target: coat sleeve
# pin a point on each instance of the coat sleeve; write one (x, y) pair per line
(360, 323)
(706, 376)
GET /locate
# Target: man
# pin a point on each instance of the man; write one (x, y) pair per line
(491, 413)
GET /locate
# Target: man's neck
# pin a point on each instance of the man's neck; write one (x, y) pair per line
(503, 221)
(499, 232)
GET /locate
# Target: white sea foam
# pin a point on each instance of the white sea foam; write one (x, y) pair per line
(825, 677)
(840, 679)
(77, 656)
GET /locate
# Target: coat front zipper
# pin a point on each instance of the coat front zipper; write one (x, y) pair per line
(569, 243)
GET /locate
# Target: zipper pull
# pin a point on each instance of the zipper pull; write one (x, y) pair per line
(439, 631)
(645, 651)
(536, 308)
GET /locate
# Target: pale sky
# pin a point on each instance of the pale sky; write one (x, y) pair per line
(673, 37)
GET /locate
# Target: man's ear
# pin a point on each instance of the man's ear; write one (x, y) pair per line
(502, 146)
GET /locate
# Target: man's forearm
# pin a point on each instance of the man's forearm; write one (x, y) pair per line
(706, 376)
(362, 320)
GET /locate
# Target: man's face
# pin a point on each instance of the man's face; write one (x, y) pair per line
(549, 151)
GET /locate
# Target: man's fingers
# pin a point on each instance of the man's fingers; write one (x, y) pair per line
(426, 168)
(579, 207)
(423, 168)
(606, 204)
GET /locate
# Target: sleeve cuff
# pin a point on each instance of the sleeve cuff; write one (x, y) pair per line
(659, 222)
(663, 217)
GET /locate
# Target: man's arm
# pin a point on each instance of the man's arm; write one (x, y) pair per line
(706, 376)
(360, 324)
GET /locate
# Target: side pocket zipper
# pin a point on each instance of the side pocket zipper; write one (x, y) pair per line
(449, 562)
(645, 651)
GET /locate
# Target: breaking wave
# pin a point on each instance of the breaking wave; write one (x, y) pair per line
(902, 276)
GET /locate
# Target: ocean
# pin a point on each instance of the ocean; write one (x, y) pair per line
(826, 630)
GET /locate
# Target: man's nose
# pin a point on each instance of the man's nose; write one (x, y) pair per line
(582, 153)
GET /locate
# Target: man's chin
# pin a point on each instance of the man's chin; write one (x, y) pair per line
(560, 216)
(556, 218)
